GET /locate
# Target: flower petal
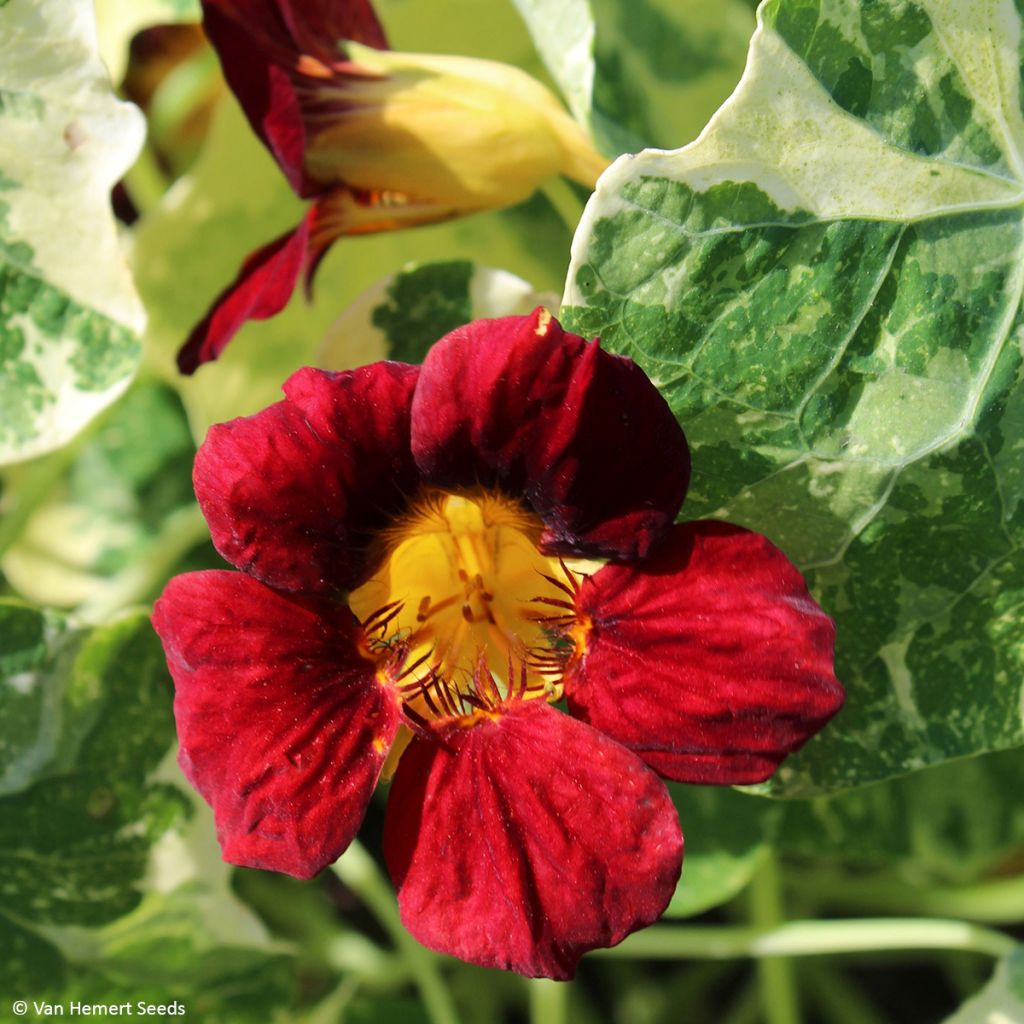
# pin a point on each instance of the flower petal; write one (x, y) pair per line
(255, 52)
(318, 26)
(710, 660)
(525, 841)
(261, 44)
(283, 725)
(520, 405)
(294, 494)
(342, 211)
(261, 290)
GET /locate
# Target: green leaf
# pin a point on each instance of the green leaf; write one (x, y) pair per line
(69, 314)
(826, 287)
(951, 824)
(35, 648)
(403, 315)
(80, 811)
(726, 835)
(664, 67)
(1001, 1001)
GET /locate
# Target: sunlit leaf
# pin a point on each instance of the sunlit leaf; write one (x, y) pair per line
(69, 314)
(827, 288)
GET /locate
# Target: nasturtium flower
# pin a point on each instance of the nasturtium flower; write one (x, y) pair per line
(433, 560)
(377, 140)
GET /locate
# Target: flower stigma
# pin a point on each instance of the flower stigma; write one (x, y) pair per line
(465, 612)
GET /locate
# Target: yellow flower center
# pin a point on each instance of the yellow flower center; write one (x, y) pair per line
(475, 612)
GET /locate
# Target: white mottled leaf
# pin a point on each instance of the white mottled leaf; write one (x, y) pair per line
(69, 313)
(827, 286)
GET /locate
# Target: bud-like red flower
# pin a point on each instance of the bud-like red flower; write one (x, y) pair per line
(432, 558)
(378, 140)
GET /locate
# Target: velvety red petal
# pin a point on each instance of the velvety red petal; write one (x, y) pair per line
(584, 436)
(256, 53)
(261, 290)
(710, 659)
(295, 494)
(524, 842)
(283, 725)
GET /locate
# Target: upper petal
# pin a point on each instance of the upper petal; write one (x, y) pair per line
(294, 494)
(283, 725)
(523, 842)
(261, 44)
(584, 436)
(710, 659)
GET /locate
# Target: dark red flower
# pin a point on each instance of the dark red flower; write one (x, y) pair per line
(420, 551)
(377, 140)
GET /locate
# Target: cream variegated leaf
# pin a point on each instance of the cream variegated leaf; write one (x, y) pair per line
(827, 288)
(69, 313)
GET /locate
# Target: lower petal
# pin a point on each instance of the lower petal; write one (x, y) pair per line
(261, 290)
(525, 841)
(709, 659)
(282, 724)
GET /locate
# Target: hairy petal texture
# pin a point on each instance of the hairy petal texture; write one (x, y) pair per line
(260, 44)
(710, 660)
(283, 725)
(525, 841)
(294, 494)
(261, 290)
(519, 404)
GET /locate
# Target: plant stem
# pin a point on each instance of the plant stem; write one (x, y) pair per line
(569, 209)
(549, 1001)
(1000, 901)
(812, 938)
(359, 872)
(779, 998)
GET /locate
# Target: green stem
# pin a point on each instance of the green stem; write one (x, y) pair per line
(1000, 901)
(779, 998)
(549, 1001)
(559, 194)
(359, 872)
(811, 938)
(181, 532)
